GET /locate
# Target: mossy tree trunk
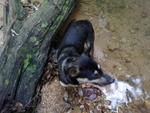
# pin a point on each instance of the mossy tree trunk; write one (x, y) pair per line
(27, 43)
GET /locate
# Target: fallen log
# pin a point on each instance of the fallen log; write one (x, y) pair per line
(27, 43)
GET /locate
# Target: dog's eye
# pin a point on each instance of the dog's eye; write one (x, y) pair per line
(73, 71)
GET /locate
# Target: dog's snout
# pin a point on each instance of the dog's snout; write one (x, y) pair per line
(109, 78)
(112, 80)
(105, 80)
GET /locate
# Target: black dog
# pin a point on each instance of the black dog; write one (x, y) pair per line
(75, 61)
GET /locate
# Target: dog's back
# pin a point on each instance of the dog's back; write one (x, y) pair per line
(74, 59)
(76, 36)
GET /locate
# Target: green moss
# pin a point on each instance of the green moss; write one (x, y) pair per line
(33, 39)
(61, 17)
(67, 2)
(29, 56)
(54, 26)
(44, 25)
(9, 56)
(31, 68)
(26, 61)
(6, 82)
(65, 8)
(57, 22)
(19, 71)
(37, 43)
(37, 53)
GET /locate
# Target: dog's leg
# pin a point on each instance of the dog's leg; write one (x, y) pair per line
(89, 49)
(90, 43)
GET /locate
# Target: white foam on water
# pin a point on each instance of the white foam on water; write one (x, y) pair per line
(121, 92)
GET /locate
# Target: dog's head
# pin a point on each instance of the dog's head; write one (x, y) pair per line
(86, 70)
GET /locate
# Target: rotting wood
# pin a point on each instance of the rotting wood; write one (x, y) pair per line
(27, 43)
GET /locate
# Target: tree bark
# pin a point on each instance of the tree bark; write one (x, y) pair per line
(27, 43)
